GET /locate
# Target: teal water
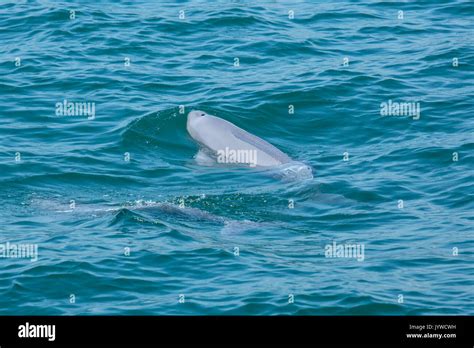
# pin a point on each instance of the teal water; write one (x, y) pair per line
(232, 240)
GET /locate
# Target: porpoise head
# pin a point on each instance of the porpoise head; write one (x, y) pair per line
(194, 116)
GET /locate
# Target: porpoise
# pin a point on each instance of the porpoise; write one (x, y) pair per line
(223, 142)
